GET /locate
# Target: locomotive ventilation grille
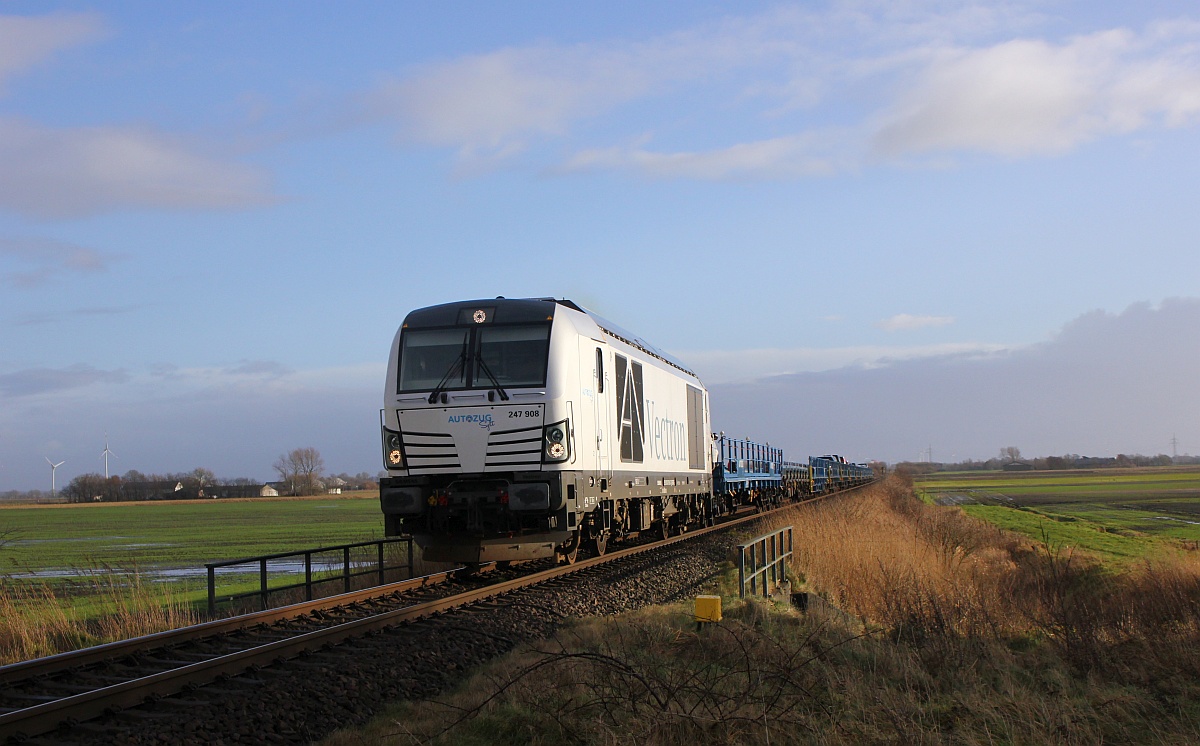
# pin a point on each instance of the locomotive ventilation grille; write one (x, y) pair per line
(514, 448)
(430, 452)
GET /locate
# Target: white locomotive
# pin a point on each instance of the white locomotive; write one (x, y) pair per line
(517, 429)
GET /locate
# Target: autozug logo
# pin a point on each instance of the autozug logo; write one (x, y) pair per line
(483, 420)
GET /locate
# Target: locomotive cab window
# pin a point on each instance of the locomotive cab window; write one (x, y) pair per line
(515, 355)
(599, 371)
(431, 356)
(482, 357)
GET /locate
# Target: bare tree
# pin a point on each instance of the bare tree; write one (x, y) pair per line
(301, 470)
(203, 476)
(91, 487)
(1012, 453)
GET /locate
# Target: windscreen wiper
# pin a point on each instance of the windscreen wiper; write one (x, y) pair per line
(488, 372)
(455, 368)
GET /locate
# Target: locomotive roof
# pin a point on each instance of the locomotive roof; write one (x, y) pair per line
(518, 310)
(617, 332)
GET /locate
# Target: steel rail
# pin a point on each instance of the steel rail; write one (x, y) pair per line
(42, 718)
(108, 651)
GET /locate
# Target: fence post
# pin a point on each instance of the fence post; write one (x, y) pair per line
(262, 583)
(346, 569)
(212, 590)
(379, 546)
(742, 570)
(767, 555)
(308, 594)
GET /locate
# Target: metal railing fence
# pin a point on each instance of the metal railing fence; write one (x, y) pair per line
(763, 562)
(350, 567)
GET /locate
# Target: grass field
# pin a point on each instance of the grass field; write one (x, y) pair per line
(72, 547)
(1120, 514)
(177, 534)
(78, 575)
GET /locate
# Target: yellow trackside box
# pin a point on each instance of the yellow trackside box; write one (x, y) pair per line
(708, 608)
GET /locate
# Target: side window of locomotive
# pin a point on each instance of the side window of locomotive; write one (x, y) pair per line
(428, 355)
(515, 355)
(599, 371)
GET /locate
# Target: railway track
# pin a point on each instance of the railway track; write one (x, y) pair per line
(54, 695)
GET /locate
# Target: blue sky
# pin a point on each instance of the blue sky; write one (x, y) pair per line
(214, 215)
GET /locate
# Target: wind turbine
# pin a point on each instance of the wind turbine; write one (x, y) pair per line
(106, 454)
(53, 468)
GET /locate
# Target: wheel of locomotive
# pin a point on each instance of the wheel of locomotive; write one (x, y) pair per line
(567, 552)
(598, 544)
(664, 528)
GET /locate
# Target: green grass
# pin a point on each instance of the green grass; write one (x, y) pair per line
(101, 544)
(179, 534)
(1119, 514)
(1179, 477)
(1079, 534)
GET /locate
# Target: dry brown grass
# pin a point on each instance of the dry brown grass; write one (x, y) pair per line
(920, 572)
(36, 621)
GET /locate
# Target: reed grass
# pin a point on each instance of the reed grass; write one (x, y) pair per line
(36, 619)
(920, 571)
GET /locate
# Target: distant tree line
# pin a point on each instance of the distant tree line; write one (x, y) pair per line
(1011, 455)
(301, 472)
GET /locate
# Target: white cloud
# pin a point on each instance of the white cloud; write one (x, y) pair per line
(782, 157)
(55, 173)
(908, 322)
(26, 41)
(727, 366)
(1030, 96)
(492, 102)
(493, 105)
(45, 258)
(38, 381)
(796, 93)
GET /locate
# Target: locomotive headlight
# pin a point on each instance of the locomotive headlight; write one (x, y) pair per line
(557, 443)
(393, 455)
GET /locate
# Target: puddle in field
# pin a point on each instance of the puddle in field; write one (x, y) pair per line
(954, 498)
(1171, 518)
(290, 567)
(970, 497)
(16, 542)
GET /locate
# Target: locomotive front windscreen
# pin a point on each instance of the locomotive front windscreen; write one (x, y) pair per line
(429, 357)
(479, 357)
(514, 355)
